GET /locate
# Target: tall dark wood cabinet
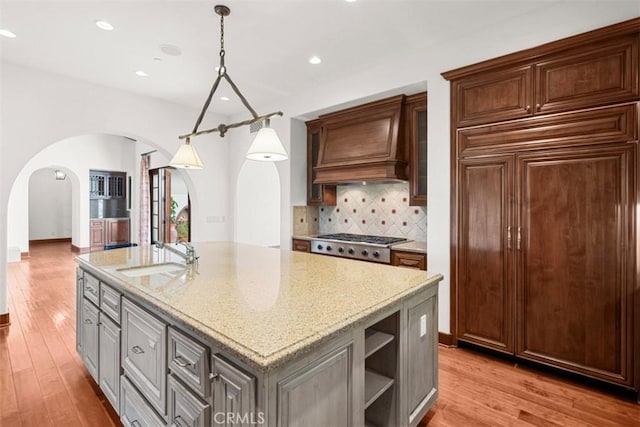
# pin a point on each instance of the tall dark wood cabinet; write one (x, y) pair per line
(544, 192)
(317, 194)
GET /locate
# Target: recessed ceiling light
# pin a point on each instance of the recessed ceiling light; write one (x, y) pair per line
(141, 73)
(224, 98)
(157, 59)
(103, 25)
(171, 50)
(350, 1)
(315, 60)
(7, 33)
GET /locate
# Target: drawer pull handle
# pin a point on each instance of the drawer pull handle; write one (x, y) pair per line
(176, 422)
(213, 376)
(88, 321)
(137, 349)
(180, 361)
(136, 423)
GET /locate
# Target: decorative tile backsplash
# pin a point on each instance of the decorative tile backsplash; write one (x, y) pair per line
(375, 209)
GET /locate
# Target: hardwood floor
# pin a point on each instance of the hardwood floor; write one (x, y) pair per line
(43, 381)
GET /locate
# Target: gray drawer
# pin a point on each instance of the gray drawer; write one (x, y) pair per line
(110, 302)
(189, 361)
(91, 288)
(134, 410)
(144, 353)
(185, 409)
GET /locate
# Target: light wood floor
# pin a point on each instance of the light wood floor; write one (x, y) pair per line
(43, 381)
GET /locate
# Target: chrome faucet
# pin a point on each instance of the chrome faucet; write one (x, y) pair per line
(189, 256)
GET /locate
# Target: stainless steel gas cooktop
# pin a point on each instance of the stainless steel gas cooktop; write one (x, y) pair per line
(356, 246)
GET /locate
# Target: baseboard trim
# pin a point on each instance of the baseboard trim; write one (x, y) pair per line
(446, 339)
(4, 320)
(56, 240)
(80, 251)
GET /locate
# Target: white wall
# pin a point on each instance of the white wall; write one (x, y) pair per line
(49, 206)
(39, 109)
(258, 204)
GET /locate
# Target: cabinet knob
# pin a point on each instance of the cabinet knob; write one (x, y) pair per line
(137, 349)
(528, 108)
(88, 321)
(213, 376)
(537, 107)
(136, 423)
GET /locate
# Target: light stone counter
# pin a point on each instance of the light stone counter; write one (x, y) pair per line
(413, 246)
(264, 305)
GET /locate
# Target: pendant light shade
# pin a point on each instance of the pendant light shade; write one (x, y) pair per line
(186, 157)
(267, 147)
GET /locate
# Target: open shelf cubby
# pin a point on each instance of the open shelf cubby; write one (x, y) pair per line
(381, 371)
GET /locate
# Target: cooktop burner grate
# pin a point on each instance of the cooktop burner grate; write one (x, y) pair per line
(376, 240)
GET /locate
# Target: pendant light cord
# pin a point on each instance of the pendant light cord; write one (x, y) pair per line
(222, 73)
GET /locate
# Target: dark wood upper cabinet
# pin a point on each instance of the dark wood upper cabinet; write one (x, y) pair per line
(493, 96)
(561, 76)
(415, 116)
(588, 76)
(317, 194)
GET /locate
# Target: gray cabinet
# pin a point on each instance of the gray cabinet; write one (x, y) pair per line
(90, 346)
(320, 394)
(144, 353)
(422, 357)
(110, 302)
(79, 290)
(189, 361)
(109, 340)
(91, 289)
(185, 409)
(134, 410)
(234, 392)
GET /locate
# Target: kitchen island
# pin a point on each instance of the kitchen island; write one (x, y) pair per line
(257, 336)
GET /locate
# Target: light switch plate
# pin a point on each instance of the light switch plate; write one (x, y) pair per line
(423, 325)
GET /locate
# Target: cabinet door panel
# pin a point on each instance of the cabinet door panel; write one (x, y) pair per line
(110, 360)
(234, 393)
(317, 194)
(90, 346)
(422, 356)
(575, 286)
(185, 409)
(485, 278)
(493, 96)
(319, 395)
(144, 353)
(588, 77)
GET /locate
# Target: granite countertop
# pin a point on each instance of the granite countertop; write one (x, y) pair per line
(413, 246)
(263, 304)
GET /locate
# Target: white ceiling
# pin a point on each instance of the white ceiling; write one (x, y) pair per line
(268, 43)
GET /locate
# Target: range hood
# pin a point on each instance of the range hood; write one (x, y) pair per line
(364, 143)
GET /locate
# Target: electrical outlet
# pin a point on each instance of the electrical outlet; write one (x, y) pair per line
(423, 325)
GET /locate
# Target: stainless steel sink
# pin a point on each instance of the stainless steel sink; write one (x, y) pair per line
(147, 270)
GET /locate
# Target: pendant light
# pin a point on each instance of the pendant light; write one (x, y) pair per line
(266, 146)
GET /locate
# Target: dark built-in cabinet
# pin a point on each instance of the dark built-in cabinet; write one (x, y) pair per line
(544, 183)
